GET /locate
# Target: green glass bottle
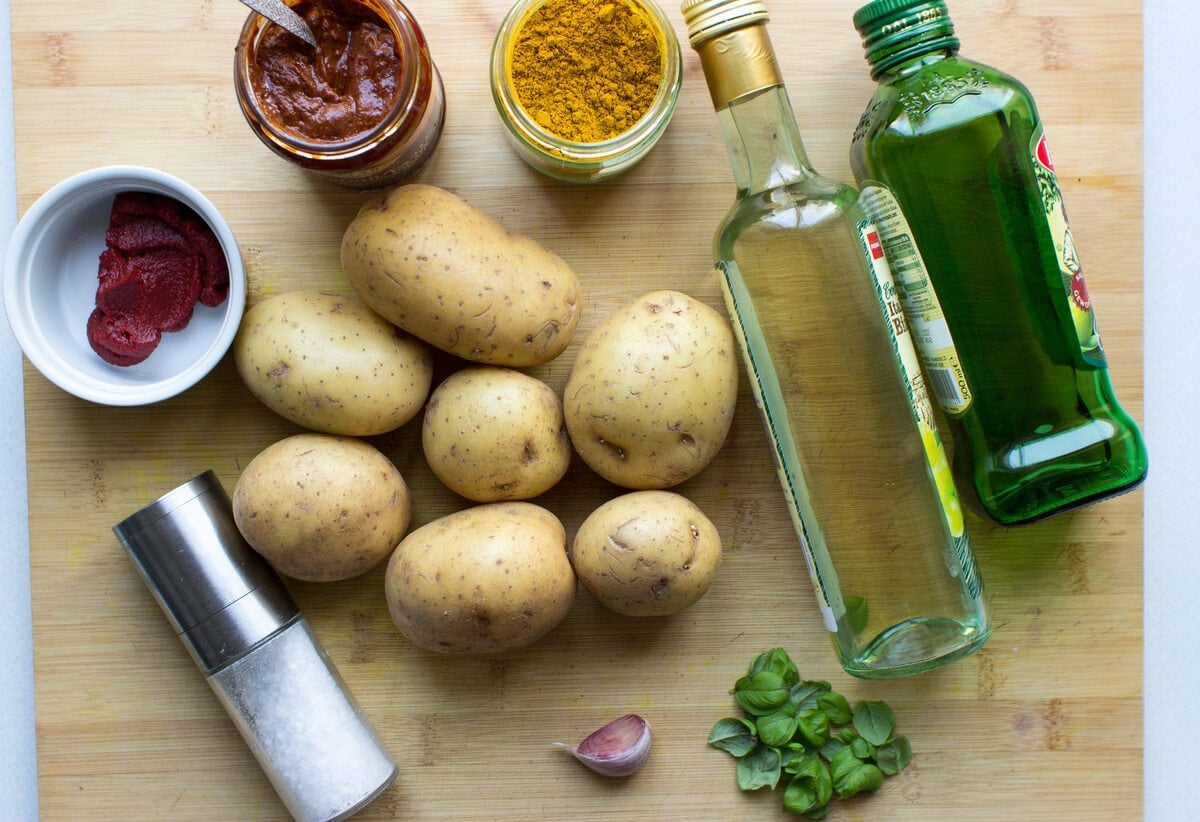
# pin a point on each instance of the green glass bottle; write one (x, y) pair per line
(961, 146)
(836, 375)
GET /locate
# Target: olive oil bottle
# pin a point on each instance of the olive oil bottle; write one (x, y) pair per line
(836, 376)
(961, 146)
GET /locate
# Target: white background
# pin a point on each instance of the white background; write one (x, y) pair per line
(1172, 601)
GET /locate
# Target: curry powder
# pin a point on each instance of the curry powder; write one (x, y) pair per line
(586, 70)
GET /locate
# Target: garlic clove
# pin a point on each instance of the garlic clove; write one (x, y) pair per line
(620, 748)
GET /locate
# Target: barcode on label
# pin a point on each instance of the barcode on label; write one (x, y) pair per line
(945, 387)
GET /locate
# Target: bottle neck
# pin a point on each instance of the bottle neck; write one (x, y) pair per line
(913, 64)
(756, 118)
(899, 37)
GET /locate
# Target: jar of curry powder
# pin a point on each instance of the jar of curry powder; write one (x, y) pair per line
(585, 88)
(364, 109)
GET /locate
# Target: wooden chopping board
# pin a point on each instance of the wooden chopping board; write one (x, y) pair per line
(1044, 722)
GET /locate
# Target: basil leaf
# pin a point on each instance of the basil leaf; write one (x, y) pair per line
(842, 763)
(800, 796)
(829, 749)
(778, 661)
(793, 756)
(863, 749)
(817, 813)
(863, 777)
(894, 755)
(875, 721)
(824, 782)
(835, 707)
(803, 695)
(758, 769)
(813, 727)
(760, 693)
(816, 770)
(776, 729)
(856, 613)
(735, 736)
(810, 790)
(847, 734)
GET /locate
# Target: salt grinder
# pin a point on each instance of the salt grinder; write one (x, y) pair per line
(257, 652)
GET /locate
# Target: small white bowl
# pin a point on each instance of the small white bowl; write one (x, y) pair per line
(50, 280)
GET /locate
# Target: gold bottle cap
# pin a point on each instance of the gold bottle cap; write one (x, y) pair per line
(735, 50)
(708, 18)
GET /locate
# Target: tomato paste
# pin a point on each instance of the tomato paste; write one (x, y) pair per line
(342, 88)
(161, 259)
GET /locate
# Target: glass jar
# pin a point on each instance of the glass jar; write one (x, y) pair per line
(581, 161)
(383, 152)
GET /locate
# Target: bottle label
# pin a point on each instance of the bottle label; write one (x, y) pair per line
(1078, 302)
(961, 560)
(922, 309)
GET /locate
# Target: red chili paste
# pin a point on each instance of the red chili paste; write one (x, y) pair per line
(161, 259)
(343, 88)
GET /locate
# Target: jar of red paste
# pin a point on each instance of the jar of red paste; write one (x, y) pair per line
(364, 109)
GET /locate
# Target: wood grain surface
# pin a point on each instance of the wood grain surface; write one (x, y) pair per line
(1043, 723)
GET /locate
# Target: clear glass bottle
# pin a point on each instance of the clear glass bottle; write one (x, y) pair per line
(961, 146)
(835, 373)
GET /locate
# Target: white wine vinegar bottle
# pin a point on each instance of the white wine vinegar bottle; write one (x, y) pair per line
(836, 376)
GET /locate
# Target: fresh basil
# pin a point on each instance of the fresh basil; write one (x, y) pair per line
(894, 755)
(810, 789)
(813, 726)
(760, 693)
(852, 775)
(805, 734)
(779, 662)
(806, 695)
(776, 729)
(792, 756)
(874, 721)
(835, 706)
(759, 769)
(734, 735)
(862, 748)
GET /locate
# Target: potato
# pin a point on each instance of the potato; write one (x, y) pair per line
(322, 508)
(330, 364)
(448, 273)
(647, 553)
(652, 391)
(493, 434)
(490, 578)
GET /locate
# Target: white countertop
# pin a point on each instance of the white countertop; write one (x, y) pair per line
(1172, 565)
(18, 760)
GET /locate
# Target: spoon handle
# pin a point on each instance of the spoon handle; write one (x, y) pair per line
(281, 14)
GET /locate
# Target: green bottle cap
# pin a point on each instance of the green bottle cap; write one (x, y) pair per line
(894, 31)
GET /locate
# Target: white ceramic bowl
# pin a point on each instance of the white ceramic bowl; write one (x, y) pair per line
(50, 279)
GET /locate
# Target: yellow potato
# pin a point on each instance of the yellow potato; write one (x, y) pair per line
(493, 434)
(322, 508)
(330, 364)
(448, 273)
(490, 578)
(652, 391)
(647, 553)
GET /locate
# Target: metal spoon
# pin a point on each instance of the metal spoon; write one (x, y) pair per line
(281, 14)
